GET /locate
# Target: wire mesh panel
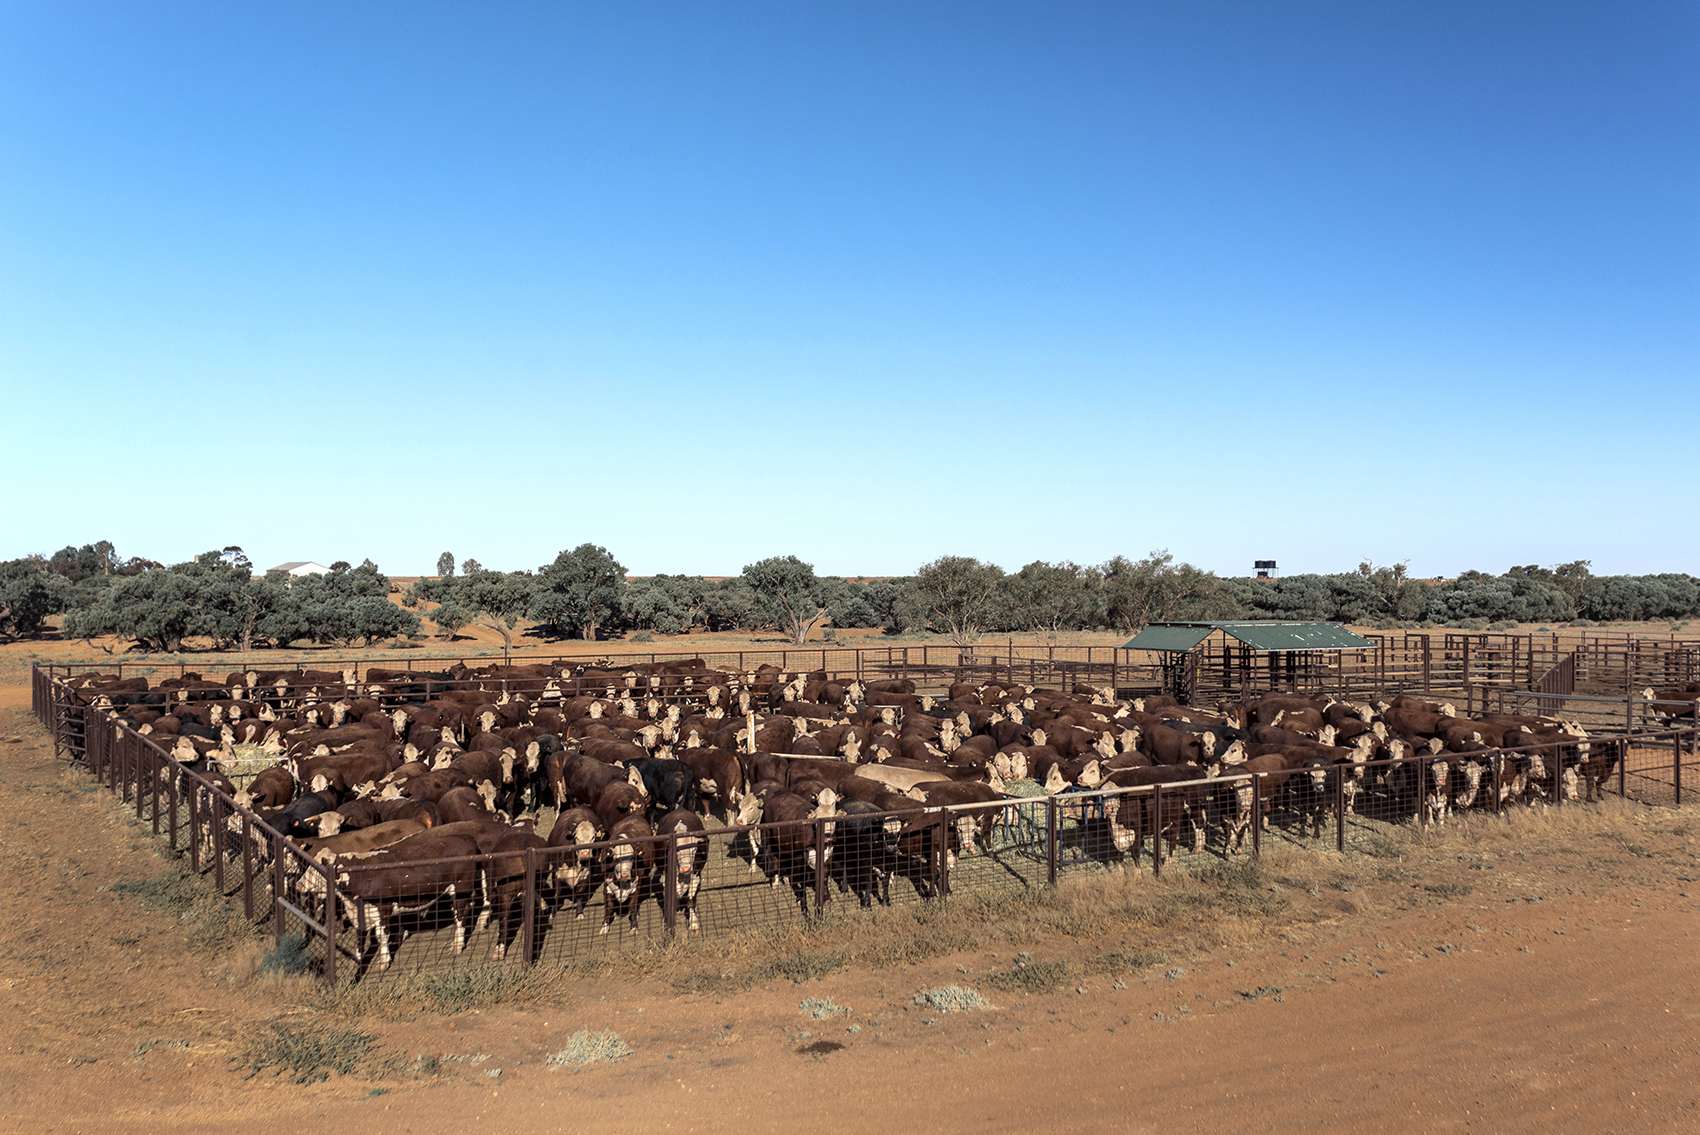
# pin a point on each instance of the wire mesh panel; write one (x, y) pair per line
(489, 893)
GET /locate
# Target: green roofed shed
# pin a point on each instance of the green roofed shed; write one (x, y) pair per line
(1260, 635)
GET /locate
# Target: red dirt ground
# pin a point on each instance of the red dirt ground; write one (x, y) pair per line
(1557, 995)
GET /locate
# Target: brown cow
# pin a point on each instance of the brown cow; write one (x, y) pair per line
(575, 869)
(410, 877)
(627, 866)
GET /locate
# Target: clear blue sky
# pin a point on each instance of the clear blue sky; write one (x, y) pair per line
(866, 283)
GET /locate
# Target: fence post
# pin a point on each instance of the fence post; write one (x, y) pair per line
(670, 892)
(1557, 774)
(1157, 831)
(1498, 771)
(1257, 815)
(215, 843)
(944, 853)
(1051, 840)
(332, 918)
(528, 910)
(247, 867)
(1676, 744)
(171, 806)
(820, 864)
(1421, 765)
(1339, 808)
(158, 773)
(277, 884)
(194, 805)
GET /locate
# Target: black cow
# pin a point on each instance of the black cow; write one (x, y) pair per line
(671, 784)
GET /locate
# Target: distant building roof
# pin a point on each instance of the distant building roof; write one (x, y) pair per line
(1259, 635)
(301, 567)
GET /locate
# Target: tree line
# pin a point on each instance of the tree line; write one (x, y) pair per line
(585, 593)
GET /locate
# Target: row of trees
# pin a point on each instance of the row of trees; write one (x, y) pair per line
(584, 593)
(216, 595)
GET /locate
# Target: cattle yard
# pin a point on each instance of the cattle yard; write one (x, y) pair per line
(510, 897)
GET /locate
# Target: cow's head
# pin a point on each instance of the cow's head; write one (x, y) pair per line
(621, 862)
(577, 867)
(749, 807)
(1039, 737)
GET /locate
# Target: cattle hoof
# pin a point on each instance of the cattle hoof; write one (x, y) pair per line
(497, 953)
(604, 929)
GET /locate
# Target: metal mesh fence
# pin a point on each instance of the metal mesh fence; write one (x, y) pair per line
(520, 901)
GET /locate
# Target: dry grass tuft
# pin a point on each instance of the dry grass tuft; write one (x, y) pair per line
(586, 1048)
(307, 1055)
(951, 999)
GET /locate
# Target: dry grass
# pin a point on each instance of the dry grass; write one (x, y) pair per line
(951, 999)
(585, 1048)
(177, 892)
(306, 1054)
(1144, 919)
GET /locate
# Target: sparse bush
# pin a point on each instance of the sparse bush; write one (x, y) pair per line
(586, 1048)
(1124, 961)
(1031, 977)
(307, 1055)
(951, 999)
(288, 956)
(822, 1007)
(641, 636)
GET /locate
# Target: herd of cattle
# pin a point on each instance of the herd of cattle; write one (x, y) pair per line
(423, 788)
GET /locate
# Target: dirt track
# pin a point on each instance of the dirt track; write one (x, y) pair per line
(1555, 995)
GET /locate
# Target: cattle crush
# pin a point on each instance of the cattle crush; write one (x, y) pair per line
(513, 901)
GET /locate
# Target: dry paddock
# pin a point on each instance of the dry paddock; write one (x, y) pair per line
(1034, 842)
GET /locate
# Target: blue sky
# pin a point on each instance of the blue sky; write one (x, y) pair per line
(867, 283)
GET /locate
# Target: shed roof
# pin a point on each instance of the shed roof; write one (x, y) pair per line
(294, 567)
(1260, 635)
